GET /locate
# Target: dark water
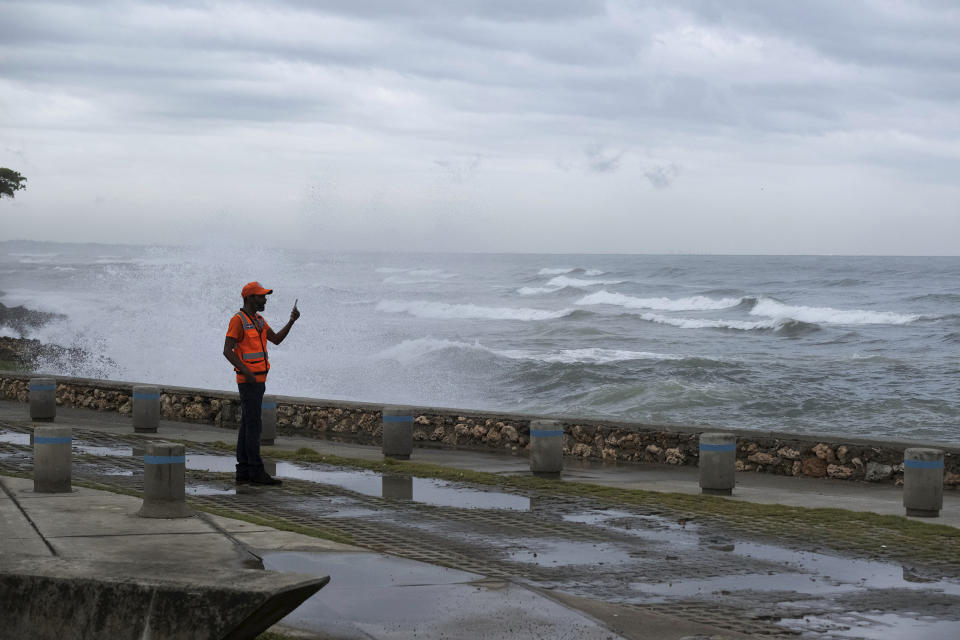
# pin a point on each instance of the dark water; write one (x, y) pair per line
(854, 345)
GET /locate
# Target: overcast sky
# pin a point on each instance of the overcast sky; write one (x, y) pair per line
(705, 126)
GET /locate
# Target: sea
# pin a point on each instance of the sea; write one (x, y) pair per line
(839, 345)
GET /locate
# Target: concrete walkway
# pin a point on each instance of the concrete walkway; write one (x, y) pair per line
(761, 488)
(92, 526)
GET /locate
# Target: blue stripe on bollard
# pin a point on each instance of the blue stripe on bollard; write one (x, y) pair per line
(43, 387)
(544, 433)
(46, 440)
(923, 464)
(165, 459)
(718, 447)
(146, 396)
(398, 418)
(269, 405)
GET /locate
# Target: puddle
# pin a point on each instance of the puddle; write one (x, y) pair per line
(438, 493)
(377, 596)
(805, 573)
(864, 573)
(562, 553)
(726, 585)
(13, 437)
(875, 626)
(652, 528)
(102, 451)
(207, 490)
(222, 464)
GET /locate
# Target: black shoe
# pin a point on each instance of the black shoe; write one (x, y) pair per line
(265, 479)
(242, 480)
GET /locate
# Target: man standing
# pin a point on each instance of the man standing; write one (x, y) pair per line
(246, 349)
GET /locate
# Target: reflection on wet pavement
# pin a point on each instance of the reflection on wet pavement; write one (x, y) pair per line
(565, 553)
(12, 437)
(375, 595)
(438, 493)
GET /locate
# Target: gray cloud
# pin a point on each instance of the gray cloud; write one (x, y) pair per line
(393, 93)
(662, 176)
(599, 159)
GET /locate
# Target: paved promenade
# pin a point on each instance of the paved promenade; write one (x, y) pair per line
(438, 559)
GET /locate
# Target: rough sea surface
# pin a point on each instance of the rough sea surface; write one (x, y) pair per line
(864, 346)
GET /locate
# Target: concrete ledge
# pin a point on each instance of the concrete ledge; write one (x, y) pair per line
(55, 599)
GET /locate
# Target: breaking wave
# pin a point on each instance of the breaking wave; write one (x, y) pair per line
(564, 282)
(787, 326)
(693, 303)
(409, 350)
(827, 315)
(447, 311)
(547, 271)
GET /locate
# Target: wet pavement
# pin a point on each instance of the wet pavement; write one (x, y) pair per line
(502, 550)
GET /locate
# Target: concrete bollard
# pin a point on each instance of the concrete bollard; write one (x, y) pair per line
(396, 487)
(268, 415)
(52, 459)
(397, 433)
(146, 409)
(546, 447)
(923, 482)
(164, 486)
(43, 399)
(718, 463)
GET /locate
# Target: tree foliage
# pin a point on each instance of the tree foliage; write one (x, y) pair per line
(10, 182)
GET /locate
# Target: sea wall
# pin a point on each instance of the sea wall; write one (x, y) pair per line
(817, 456)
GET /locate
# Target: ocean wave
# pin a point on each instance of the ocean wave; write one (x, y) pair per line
(414, 276)
(949, 298)
(537, 291)
(409, 350)
(692, 303)
(564, 282)
(585, 356)
(546, 271)
(785, 326)
(828, 315)
(446, 311)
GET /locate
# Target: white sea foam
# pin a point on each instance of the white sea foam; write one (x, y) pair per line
(443, 310)
(535, 291)
(561, 282)
(409, 350)
(828, 315)
(8, 332)
(414, 276)
(702, 323)
(412, 349)
(586, 356)
(546, 271)
(692, 303)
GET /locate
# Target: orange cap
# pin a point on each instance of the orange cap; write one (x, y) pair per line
(254, 289)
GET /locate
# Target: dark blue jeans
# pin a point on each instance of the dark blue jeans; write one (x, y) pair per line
(249, 462)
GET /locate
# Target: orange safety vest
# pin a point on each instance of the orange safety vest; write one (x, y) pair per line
(252, 348)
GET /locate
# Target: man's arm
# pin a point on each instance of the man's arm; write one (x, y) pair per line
(229, 344)
(277, 338)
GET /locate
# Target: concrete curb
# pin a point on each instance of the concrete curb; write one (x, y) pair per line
(56, 599)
